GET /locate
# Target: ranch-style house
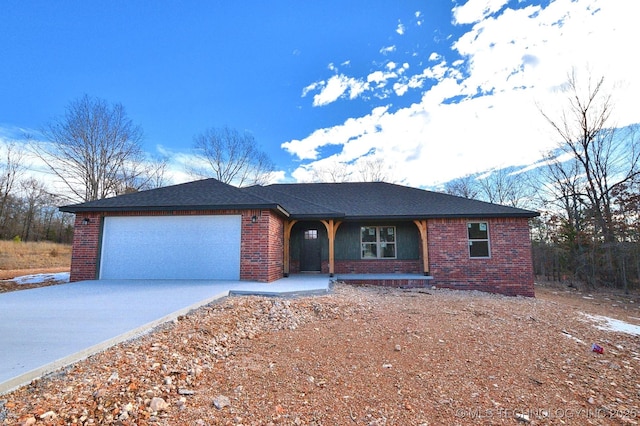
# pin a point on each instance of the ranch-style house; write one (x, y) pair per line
(370, 232)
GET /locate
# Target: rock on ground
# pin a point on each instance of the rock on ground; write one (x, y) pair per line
(362, 356)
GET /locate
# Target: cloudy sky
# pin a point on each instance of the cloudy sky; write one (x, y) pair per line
(431, 90)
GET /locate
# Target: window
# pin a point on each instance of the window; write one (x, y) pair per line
(311, 234)
(478, 233)
(378, 242)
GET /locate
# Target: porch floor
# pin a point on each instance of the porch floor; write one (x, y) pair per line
(382, 277)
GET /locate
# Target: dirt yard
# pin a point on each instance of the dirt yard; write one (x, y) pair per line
(28, 258)
(359, 356)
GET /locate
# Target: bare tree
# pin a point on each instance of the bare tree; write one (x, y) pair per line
(366, 169)
(559, 183)
(231, 157)
(333, 173)
(505, 186)
(372, 170)
(607, 158)
(35, 197)
(92, 149)
(466, 186)
(10, 171)
(144, 175)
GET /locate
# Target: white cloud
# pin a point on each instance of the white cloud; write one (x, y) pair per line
(335, 88)
(307, 149)
(476, 10)
(480, 112)
(380, 78)
(341, 86)
(311, 88)
(31, 166)
(388, 49)
(400, 88)
(400, 29)
(436, 73)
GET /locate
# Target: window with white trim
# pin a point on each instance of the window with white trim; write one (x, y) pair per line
(378, 242)
(478, 233)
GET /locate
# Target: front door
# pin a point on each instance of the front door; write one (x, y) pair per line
(310, 260)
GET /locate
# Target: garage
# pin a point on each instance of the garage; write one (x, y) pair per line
(171, 247)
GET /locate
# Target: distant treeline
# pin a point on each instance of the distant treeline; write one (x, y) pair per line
(34, 216)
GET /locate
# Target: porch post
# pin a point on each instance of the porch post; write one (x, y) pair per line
(422, 227)
(332, 228)
(288, 224)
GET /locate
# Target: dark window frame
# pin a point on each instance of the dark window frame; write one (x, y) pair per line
(379, 246)
(479, 240)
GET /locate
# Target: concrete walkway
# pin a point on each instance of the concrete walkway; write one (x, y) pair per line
(44, 329)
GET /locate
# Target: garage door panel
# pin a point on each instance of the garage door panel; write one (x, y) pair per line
(171, 247)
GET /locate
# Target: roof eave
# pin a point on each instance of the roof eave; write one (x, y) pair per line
(315, 216)
(81, 209)
(414, 217)
(484, 215)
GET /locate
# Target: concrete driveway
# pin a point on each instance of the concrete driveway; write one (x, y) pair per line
(44, 329)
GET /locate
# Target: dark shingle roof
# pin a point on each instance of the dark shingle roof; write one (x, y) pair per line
(377, 200)
(207, 194)
(365, 200)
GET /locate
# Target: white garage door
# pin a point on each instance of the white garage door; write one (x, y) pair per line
(171, 247)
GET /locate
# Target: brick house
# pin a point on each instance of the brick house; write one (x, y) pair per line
(360, 232)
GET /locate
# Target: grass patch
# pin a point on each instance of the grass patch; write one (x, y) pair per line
(32, 255)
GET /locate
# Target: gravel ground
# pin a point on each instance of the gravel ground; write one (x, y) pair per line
(359, 356)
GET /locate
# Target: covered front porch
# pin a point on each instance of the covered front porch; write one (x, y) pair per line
(358, 250)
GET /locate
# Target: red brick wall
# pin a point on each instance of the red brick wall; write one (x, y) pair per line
(366, 266)
(261, 247)
(260, 253)
(508, 271)
(404, 283)
(84, 253)
(380, 266)
(276, 247)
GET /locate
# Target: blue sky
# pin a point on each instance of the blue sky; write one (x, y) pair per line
(432, 89)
